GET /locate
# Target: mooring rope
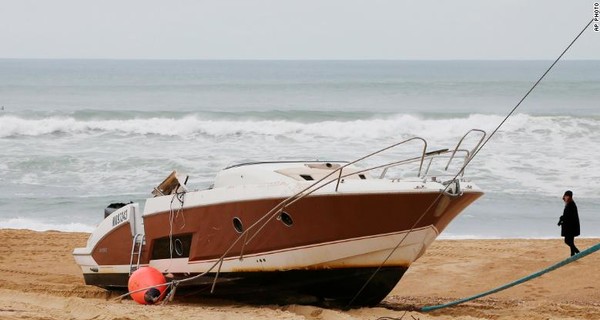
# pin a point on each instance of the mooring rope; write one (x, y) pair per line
(555, 266)
(467, 162)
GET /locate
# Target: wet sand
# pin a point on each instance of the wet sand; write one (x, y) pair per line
(40, 280)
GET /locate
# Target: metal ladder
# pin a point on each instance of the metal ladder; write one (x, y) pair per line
(136, 250)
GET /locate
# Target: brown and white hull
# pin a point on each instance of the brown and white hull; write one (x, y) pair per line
(317, 273)
(333, 245)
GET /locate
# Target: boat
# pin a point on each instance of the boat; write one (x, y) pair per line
(329, 233)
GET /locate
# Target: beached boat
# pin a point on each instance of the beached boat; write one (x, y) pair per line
(318, 232)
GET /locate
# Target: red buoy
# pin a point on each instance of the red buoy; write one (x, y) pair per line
(150, 278)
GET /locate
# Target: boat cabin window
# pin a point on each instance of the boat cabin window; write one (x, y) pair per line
(237, 225)
(177, 247)
(307, 177)
(286, 219)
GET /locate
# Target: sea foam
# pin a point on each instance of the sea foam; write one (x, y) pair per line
(551, 127)
(37, 225)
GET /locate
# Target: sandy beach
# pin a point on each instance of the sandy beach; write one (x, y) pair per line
(40, 280)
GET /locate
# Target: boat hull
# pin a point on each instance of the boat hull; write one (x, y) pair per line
(326, 287)
(209, 231)
(332, 247)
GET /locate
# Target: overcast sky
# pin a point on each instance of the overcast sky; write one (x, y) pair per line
(292, 29)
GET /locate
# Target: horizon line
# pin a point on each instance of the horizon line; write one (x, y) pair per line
(289, 60)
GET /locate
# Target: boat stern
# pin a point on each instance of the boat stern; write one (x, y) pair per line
(108, 249)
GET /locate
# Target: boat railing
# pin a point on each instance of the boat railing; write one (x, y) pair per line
(431, 155)
(421, 159)
(471, 153)
(443, 153)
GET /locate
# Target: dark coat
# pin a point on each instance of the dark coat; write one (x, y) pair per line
(569, 221)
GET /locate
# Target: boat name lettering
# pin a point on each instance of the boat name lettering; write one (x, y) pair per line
(120, 217)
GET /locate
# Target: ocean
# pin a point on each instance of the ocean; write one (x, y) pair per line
(76, 135)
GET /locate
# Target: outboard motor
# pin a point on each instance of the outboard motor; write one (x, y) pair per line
(113, 207)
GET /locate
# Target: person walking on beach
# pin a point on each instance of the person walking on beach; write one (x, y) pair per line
(569, 222)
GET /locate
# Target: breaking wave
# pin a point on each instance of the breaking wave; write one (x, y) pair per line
(374, 127)
(530, 154)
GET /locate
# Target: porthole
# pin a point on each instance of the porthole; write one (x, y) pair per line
(237, 225)
(286, 218)
(178, 247)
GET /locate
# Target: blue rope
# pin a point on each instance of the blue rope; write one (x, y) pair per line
(516, 282)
